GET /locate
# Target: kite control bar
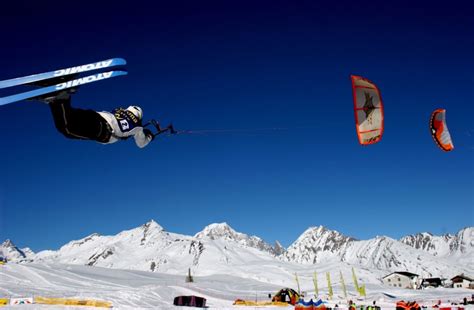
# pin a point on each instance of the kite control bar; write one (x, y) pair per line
(160, 130)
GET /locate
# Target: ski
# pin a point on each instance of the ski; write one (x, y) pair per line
(61, 86)
(63, 72)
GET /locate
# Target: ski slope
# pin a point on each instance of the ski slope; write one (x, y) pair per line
(131, 289)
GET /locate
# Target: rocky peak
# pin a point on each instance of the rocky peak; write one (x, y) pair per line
(7, 244)
(224, 231)
(461, 243)
(217, 231)
(12, 253)
(152, 225)
(315, 242)
(150, 229)
(325, 239)
(278, 248)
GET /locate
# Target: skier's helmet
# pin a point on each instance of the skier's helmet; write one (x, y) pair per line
(136, 110)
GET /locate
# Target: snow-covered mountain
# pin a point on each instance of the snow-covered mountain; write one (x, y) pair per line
(218, 247)
(447, 245)
(317, 244)
(13, 253)
(225, 232)
(459, 247)
(149, 247)
(320, 245)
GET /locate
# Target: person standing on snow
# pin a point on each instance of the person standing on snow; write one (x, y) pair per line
(103, 127)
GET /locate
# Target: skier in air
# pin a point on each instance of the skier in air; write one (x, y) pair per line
(103, 127)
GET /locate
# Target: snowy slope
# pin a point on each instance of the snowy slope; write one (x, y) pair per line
(130, 289)
(384, 253)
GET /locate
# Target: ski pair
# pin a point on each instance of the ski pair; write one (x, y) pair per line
(62, 79)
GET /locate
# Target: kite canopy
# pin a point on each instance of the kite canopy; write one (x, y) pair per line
(439, 130)
(368, 110)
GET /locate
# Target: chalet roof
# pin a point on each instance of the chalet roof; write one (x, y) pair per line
(429, 281)
(461, 276)
(404, 273)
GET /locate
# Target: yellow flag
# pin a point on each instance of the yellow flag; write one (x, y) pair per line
(328, 276)
(343, 284)
(298, 283)
(315, 281)
(354, 278)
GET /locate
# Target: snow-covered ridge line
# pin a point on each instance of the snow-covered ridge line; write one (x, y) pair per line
(219, 247)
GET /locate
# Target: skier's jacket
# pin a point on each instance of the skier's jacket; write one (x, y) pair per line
(124, 124)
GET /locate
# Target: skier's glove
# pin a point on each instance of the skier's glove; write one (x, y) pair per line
(148, 134)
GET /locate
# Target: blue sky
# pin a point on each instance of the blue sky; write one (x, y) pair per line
(242, 66)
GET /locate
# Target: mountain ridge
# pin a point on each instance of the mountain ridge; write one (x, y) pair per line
(218, 246)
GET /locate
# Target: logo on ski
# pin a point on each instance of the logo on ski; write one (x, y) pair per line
(84, 80)
(79, 69)
(98, 65)
(65, 85)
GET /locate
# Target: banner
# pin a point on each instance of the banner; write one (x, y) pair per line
(73, 302)
(21, 301)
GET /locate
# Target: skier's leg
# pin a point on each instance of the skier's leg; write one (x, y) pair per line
(78, 123)
(88, 124)
(61, 109)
